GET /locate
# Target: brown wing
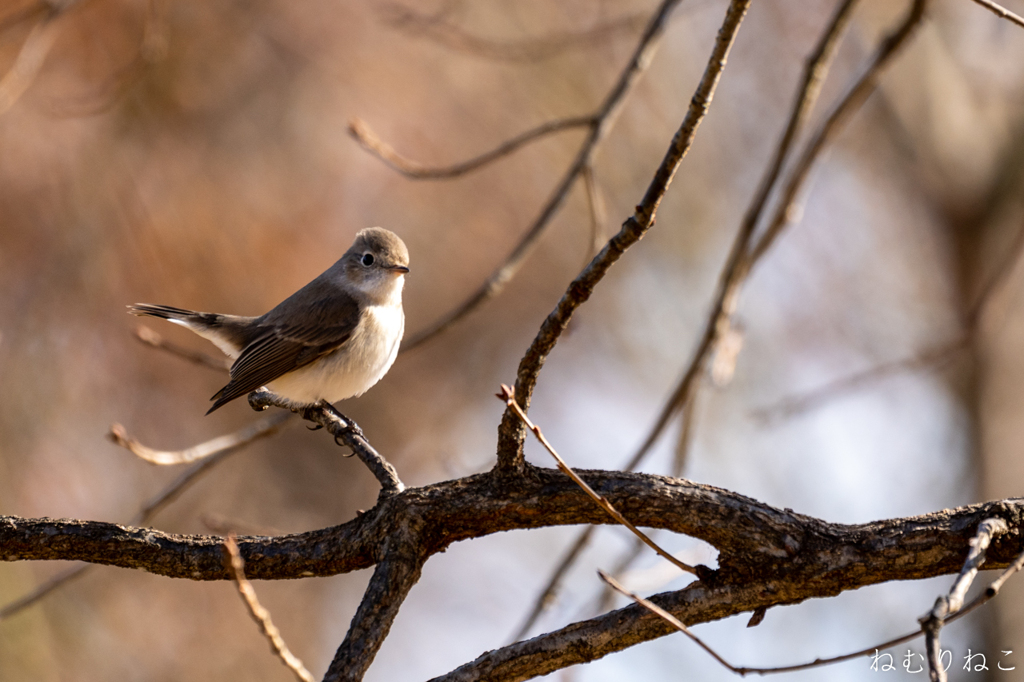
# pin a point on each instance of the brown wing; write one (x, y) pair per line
(315, 321)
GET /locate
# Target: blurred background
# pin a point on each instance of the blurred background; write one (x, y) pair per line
(197, 155)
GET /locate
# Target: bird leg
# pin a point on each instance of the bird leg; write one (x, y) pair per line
(345, 432)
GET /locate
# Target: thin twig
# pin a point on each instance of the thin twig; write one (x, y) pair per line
(604, 120)
(928, 359)
(233, 562)
(60, 580)
(344, 430)
(606, 598)
(998, 280)
(745, 253)
(415, 170)
(152, 338)
(948, 605)
(682, 452)
(443, 32)
(801, 402)
(627, 558)
(993, 589)
(29, 61)
(669, 618)
(598, 213)
(508, 396)
(1001, 11)
(550, 591)
(231, 441)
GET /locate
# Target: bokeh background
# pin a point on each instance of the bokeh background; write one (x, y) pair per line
(196, 154)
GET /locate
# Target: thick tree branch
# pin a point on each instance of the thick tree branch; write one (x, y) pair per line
(753, 538)
(394, 576)
(768, 556)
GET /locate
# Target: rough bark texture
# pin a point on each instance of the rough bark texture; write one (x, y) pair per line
(756, 541)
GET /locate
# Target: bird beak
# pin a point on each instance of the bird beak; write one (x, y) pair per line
(400, 269)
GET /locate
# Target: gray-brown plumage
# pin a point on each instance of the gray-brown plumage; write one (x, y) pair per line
(332, 339)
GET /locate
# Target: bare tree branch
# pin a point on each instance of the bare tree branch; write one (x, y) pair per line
(604, 119)
(511, 433)
(415, 170)
(753, 538)
(43, 590)
(234, 563)
(851, 102)
(743, 256)
(397, 572)
(442, 31)
(1001, 11)
(768, 556)
(31, 56)
(598, 213)
(948, 605)
(670, 619)
(550, 591)
(231, 441)
(152, 338)
(927, 359)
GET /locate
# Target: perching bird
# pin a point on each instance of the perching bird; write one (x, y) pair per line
(332, 339)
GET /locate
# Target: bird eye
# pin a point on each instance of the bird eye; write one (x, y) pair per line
(367, 259)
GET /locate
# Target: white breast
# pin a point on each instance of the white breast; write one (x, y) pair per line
(352, 369)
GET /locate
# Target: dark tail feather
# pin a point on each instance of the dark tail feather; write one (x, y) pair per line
(164, 312)
(223, 397)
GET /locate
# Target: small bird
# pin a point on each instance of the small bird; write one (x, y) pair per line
(332, 339)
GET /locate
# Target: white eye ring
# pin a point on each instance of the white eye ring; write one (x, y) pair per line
(367, 259)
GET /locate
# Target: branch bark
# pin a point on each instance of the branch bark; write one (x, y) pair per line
(394, 577)
(754, 539)
(768, 556)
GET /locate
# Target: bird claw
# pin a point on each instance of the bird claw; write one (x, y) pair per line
(315, 427)
(344, 445)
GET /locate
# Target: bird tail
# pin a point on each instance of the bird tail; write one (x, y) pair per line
(164, 312)
(230, 333)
